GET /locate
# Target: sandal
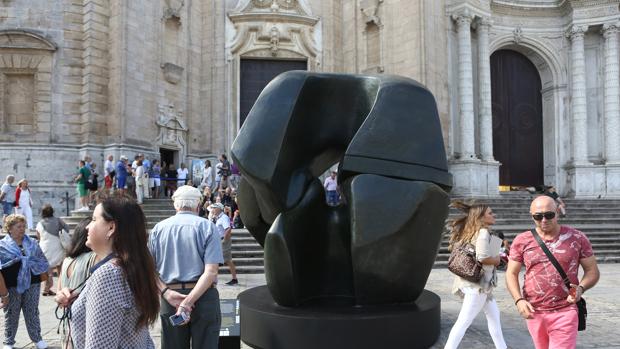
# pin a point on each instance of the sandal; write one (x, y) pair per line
(49, 293)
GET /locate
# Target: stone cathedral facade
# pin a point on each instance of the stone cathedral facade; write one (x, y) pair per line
(527, 90)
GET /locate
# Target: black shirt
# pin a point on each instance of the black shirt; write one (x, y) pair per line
(10, 275)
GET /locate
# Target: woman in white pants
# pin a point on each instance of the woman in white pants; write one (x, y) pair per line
(473, 227)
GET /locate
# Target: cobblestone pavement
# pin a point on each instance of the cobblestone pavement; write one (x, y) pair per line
(603, 317)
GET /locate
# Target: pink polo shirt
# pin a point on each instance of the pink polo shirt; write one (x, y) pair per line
(543, 286)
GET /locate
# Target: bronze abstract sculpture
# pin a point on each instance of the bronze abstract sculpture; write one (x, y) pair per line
(378, 248)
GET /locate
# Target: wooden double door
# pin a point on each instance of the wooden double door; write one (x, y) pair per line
(256, 74)
(517, 119)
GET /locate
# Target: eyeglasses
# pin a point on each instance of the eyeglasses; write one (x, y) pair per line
(539, 216)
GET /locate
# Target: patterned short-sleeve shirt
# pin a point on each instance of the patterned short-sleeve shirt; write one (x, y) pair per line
(543, 287)
(105, 314)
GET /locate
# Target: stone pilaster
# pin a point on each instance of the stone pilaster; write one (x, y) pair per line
(484, 78)
(612, 94)
(578, 95)
(465, 76)
(95, 73)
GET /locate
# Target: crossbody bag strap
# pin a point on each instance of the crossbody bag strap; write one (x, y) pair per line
(552, 259)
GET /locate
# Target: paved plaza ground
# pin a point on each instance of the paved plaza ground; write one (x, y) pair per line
(603, 308)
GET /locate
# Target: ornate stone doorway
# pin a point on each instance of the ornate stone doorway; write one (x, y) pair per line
(517, 119)
(256, 74)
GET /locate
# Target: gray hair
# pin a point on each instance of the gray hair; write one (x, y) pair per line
(9, 177)
(185, 204)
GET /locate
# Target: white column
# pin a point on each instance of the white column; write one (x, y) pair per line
(578, 95)
(484, 78)
(612, 94)
(466, 96)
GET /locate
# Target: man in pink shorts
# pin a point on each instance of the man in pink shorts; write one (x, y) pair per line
(546, 303)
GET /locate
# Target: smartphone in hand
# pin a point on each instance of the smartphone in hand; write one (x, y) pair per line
(178, 320)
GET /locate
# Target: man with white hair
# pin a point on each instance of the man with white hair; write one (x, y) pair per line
(187, 252)
(7, 196)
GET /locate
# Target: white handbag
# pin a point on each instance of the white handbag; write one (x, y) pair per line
(65, 239)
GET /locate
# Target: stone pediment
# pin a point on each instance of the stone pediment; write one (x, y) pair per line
(284, 10)
(25, 39)
(273, 26)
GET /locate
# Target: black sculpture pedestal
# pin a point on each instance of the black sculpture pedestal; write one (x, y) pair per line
(267, 325)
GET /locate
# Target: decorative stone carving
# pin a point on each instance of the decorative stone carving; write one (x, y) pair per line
(278, 27)
(275, 40)
(370, 10)
(517, 35)
(612, 93)
(172, 129)
(172, 10)
(172, 72)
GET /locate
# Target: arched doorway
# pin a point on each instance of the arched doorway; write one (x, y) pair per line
(517, 119)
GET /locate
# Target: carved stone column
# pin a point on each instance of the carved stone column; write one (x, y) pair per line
(578, 95)
(612, 94)
(484, 78)
(466, 97)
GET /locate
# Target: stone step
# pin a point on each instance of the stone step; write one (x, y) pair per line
(243, 269)
(247, 247)
(253, 254)
(255, 261)
(159, 210)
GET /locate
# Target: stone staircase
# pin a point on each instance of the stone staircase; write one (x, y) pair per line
(247, 253)
(598, 218)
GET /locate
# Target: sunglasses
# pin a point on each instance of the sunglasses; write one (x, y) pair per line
(539, 216)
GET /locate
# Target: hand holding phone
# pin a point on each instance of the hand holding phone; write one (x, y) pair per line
(179, 319)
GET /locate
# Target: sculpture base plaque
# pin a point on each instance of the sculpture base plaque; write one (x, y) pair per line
(267, 325)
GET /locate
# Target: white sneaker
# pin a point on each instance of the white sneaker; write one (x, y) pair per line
(41, 344)
(6, 346)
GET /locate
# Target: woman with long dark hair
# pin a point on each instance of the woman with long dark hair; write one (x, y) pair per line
(474, 227)
(74, 272)
(120, 299)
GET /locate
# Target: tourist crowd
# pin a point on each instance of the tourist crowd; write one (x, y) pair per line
(109, 268)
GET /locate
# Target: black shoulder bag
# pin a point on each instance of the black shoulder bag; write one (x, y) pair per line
(581, 305)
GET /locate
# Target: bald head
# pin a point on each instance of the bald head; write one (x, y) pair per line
(543, 203)
(542, 207)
